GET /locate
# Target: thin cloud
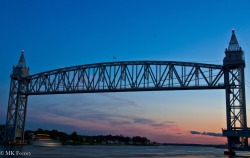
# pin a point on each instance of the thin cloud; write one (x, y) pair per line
(92, 116)
(143, 121)
(80, 112)
(153, 123)
(207, 133)
(122, 101)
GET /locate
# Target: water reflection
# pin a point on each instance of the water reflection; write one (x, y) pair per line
(95, 151)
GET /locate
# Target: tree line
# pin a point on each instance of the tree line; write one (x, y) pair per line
(74, 138)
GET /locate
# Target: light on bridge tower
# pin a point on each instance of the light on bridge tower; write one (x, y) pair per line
(16, 114)
(237, 132)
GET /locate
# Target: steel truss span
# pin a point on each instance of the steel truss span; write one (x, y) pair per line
(127, 76)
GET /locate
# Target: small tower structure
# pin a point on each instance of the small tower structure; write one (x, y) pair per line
(234, 54)
(20, 70)
(16, 114)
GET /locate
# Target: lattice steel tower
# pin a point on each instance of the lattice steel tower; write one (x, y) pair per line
(15, 122)
(234, 80)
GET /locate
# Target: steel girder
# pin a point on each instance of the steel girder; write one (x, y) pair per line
(127, 76)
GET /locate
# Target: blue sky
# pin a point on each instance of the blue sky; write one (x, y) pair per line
(62, 33)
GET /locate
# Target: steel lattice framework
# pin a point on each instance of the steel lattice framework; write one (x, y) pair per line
(236, 108)
(127, 76)
(17, 108)
(236, 100)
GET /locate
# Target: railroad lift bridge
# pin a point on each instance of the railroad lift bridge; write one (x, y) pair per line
(135, 76)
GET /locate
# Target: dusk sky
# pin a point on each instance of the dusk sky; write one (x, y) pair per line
(59, 33)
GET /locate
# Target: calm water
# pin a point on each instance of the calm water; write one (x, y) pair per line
(95, 151)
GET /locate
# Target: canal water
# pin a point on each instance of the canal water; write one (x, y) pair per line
(96, 151)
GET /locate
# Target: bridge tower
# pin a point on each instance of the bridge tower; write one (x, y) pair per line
(16, 114)
(234, 80)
